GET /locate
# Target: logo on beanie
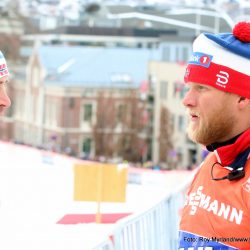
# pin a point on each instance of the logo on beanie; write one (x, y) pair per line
(3, 66)
(201, 59)
(3, 70)
(222, 78)
(187, 72)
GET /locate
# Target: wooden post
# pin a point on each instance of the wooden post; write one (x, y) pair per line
(99, 194)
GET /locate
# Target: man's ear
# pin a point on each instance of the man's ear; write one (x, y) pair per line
(243, 102)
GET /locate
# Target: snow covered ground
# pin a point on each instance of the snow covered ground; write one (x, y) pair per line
(36, 191)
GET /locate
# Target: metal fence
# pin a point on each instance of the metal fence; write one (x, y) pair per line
(153, 229)
(156, 228)
(105, 245)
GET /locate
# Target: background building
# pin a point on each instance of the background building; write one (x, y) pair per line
(73, 100)
(82, 51)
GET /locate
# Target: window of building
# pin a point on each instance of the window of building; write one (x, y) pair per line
(176, 52)
(181, 123)
(121, 113)
(166, 54)
(179, 89)
(185, 54)
(88, 111)
(163, 89)
(86, 147)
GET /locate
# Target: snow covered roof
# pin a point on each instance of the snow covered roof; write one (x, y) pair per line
(96, 66)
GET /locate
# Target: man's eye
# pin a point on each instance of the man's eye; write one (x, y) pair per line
(201, 87)
(3, 82)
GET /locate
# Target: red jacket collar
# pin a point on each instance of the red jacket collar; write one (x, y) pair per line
(227, 154)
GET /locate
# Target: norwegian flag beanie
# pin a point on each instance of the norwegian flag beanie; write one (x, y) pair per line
(222, 60)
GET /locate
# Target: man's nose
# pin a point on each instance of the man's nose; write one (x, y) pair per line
(189, 99)
(5, 101)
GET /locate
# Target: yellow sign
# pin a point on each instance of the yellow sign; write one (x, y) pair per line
(100, 182)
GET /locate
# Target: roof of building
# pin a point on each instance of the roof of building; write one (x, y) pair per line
(96, 67)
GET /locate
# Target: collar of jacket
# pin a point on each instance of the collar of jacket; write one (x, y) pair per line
(227, 154)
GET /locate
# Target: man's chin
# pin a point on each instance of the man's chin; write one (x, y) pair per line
(199, 140)
(195, 137)
(192, 133)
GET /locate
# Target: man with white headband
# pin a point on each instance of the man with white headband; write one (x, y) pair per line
(4, 77)
(216, 214)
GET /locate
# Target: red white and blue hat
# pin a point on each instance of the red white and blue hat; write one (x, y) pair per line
(3, 66)
(222, 60)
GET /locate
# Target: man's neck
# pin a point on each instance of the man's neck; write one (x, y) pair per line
(214, 146)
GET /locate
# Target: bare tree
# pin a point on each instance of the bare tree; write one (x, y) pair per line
(124, 113)
(104, 127)
(165, 137)
(130, 144)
